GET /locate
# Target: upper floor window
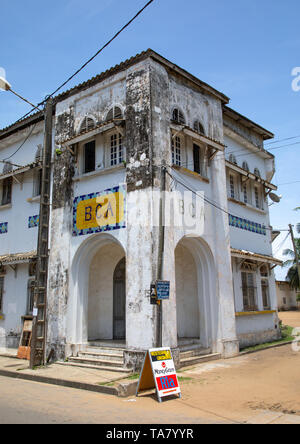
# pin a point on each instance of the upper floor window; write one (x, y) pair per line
(87, 125)
(114, 113)
(257, 172)
(200, 165)
(232, 186)
(232, 159)
(176, 151)
(117, 152)
(199, 127)
(89, 152)
(245, 193)
(6, 191)
(178, 116)
(257, 197)
(246, 166)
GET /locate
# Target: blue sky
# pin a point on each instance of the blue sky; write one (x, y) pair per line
(245, 49)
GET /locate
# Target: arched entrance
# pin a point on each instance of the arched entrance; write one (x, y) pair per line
(97, 287)
(196, 294)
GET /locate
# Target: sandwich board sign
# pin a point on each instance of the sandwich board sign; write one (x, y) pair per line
(159, 373)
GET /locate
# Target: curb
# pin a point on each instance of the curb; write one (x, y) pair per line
(65, 383)
(265, 348)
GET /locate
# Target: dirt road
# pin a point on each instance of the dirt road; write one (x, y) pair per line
(241, 387)
(291, 318)
(226, 391)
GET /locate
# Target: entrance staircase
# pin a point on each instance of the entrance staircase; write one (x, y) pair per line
(192, 353)
(101, 356)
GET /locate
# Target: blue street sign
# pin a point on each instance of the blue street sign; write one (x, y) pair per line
(163, 290)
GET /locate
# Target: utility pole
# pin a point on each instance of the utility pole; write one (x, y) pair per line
(161, 248)
(295, 250)
(39, 327)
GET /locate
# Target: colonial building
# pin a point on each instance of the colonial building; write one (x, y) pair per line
(144, 126)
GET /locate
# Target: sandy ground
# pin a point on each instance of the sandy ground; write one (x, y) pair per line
(291, 318)
(262, 387)
(236, 388)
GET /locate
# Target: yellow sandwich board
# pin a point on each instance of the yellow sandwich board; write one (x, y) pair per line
(159, 373)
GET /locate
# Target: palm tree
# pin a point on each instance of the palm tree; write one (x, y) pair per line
(293, 275)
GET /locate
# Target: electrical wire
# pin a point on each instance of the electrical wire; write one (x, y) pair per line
(282, 140)
(210, 202)
(84, 65)
(98, 52)
(29, 134)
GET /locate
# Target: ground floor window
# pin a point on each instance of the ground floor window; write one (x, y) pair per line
(30, 296)
(265, 287)
(249, 291)
(1, 293)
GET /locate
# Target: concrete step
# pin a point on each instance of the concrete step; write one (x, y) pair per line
(105, 350)
(193, 360)
(96, 362)
(102, 356)
(194, 352)
(97, 367)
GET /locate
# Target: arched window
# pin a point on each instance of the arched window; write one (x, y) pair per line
(115, 113)
(246, 166)
(178, 116)
(87, 124)
(232, 159)
(199, 127)
(257, 172)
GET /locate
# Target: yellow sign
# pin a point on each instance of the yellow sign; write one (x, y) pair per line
(99, 212)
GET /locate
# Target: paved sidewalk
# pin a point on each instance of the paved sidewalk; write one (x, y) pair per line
(113, 383)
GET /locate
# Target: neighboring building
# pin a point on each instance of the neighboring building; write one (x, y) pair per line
(286, 297)
(115, 132)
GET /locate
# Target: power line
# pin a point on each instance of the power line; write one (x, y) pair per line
(22, 144)
(98, 52)
(83, 66)
(217, 206)
(282, 140)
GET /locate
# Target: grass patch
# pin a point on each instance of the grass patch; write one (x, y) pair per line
(134, 376)
(286, 332)
(106, 384)
(184, 378)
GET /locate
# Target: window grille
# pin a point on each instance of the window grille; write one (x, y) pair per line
(199, 127)
(178, 116)
(232, 159)
(176, 151)
(114, 113)
(232, 187)
(116, 149)
(249, 291)
(1, 293)
(87, 125)
(257, 172)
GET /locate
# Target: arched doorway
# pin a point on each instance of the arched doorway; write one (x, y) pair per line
(98, 261)
(196, 293)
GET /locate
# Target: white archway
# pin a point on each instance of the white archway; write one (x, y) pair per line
(90, 306)
(196, 291)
